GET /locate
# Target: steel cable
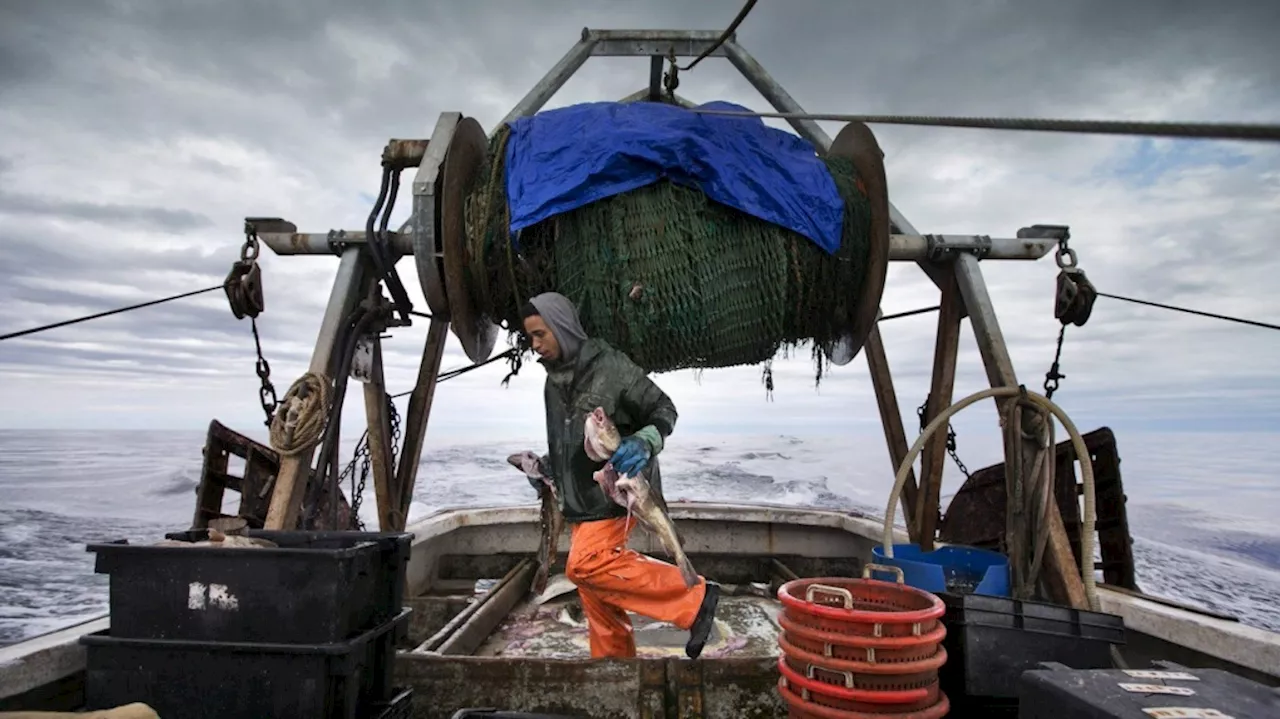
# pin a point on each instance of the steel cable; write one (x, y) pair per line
(1185, 130)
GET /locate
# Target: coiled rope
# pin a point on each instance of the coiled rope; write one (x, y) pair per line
(300, 420)
(1077, 441)
(668, 276)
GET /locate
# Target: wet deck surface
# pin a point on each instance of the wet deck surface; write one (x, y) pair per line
(746, 626)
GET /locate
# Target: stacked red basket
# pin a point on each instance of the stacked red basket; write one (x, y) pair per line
(856, 648)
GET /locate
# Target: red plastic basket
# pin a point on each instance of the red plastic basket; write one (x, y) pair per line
(799, 707)
(885, 677)
(860, 645)
(865, 607)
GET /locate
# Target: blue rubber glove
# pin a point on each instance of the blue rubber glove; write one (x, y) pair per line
(632, 456)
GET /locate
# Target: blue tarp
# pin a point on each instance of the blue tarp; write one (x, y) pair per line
(562, 159)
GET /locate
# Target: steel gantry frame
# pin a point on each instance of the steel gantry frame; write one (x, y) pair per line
(950, 261)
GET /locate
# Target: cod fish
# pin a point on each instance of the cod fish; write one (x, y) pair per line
(600, 442)
(551, 521)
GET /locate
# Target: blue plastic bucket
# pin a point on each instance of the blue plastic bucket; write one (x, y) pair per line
(954, 569)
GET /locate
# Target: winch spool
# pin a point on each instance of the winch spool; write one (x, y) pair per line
(860, 647)
(664, 274)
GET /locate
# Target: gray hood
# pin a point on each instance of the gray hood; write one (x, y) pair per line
(562, 317)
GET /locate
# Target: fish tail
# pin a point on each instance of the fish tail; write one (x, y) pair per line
(687, 572)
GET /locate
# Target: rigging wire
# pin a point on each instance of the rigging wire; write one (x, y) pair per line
(108, 313)
(1201, 313)
(1184, 130)
(909, 313)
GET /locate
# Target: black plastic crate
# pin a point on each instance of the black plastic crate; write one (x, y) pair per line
(316, 588)
(991, 640)
(235, 680)
(1065, 693)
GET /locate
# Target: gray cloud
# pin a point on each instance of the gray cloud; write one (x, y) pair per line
(135, 137)
(173, 220)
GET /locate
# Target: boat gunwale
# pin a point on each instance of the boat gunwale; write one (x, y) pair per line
(57, 654)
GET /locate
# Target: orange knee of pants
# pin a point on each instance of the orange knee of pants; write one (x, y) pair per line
(613, 580)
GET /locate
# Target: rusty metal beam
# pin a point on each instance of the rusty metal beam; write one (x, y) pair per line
(415, 430)
(945, 352)
(379, 438)
(1062, 575)
(902, 248)
(895, 434)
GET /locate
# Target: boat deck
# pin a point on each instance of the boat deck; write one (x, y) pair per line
(746, 626)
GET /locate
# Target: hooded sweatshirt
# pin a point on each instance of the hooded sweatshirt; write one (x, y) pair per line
(562, 318)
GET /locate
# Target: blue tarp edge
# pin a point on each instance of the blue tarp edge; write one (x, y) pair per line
(562, 159)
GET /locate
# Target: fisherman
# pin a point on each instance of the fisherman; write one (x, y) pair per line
(582, 374)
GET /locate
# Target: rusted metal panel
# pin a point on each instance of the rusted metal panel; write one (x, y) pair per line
(653, 702)
(685, 680)
(601, 689)
(744, 688)
(261, 464)
(740, 688)
(976, 514)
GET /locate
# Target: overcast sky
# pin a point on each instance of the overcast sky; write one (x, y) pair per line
(136, 136)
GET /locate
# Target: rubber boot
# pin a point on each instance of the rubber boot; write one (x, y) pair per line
(703, 622)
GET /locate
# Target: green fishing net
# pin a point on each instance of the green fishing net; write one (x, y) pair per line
(668, 276)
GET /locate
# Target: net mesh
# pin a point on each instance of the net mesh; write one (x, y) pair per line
(668, 276)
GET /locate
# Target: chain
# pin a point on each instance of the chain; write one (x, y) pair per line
(250, 249)
(244, 292)
(1053, 377)
(267, 392)
(361, 457)
(951, 438)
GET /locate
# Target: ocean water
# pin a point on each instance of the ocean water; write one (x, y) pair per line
(1200, 506)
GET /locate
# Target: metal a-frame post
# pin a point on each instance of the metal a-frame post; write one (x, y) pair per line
(951, 262)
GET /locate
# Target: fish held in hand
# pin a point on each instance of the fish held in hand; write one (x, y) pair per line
(550, 519)
(601, 439)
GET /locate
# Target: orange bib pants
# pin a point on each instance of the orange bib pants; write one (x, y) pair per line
(613, 580)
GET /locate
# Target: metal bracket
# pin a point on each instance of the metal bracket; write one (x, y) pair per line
(264, 225)
(1061, 233)
(362, 360)
(942, 247)
(337, 241)
(1065, 257)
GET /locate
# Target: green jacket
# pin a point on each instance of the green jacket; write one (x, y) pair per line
(600, 376)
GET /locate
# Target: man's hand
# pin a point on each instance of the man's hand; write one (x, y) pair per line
(632, 456)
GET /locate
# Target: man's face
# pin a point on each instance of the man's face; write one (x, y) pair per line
(542, 339)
